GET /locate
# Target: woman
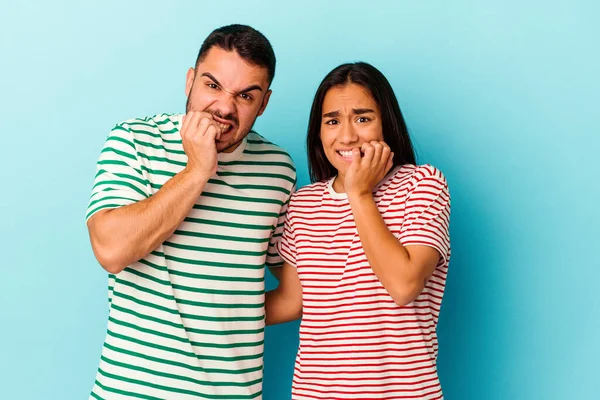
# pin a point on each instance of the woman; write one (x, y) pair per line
(366, 250)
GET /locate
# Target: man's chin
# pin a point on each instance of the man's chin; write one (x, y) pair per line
(227, 147)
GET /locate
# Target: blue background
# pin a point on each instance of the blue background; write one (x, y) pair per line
(503, 97)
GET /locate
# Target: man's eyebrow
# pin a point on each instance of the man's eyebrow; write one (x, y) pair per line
(211, 77)
(248, 89)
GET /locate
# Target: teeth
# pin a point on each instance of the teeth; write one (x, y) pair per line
(223, 127)
(345, 154)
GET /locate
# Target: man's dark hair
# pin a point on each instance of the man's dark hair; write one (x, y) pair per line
(249, 43)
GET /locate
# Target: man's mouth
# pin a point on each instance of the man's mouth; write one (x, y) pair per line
(225, 128)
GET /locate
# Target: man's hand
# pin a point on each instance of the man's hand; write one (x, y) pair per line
(199, 131)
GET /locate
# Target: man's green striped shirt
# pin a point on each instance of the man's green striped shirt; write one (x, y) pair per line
(187, 321)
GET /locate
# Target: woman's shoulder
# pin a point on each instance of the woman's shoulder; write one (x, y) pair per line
(418, 173)
(316, 189)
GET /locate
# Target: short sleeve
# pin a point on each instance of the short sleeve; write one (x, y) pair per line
(119, 178)
(274, 259)
(427, 212)
(286, 247)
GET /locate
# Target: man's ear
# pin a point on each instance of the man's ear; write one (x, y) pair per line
(265, 101)
(189, 81)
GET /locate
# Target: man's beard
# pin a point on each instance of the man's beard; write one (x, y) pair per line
(228, 117)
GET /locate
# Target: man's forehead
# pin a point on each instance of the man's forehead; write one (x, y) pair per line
(228, 68)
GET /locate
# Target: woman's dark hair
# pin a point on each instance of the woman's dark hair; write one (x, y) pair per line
(395, 133)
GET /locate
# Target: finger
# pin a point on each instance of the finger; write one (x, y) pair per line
(183, 123)
(378, 152)
(385, 155)
(192, 120)
(204, 124)
(355, 156)
(390, 162)
(369, 152)
(211, 132)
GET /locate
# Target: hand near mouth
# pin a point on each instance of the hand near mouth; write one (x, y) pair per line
(370, 163)
(199, 131)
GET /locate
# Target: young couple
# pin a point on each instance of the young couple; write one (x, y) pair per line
(186, 210)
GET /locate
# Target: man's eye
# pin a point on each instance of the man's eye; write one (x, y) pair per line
(246, 96)
(213, 86)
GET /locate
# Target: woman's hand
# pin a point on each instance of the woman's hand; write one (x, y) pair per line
(369, 166)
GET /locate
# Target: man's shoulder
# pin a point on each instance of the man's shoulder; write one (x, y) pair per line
(259, 146)
(156, 124)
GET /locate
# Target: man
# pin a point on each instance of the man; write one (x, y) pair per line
(184, 214)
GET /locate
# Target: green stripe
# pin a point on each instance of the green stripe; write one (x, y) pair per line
(162, 159)
(197, 304)
(236, 211)
(221, 237)
(119, 183)
(256, 175)
(262, 163)
(174, 337)
(122, 140)
(177, 325)
(102, 207)
(158, 172)
(156, 126)
(200, 276)
(159, 136)
(119, 162)
(111, 198)
(266, 152)
(252, 187)
(215, 250)
(159, 147)
(182, 365)
(175, 376)
(195, 289)
(94, 395)
(161, 123)
(145, 330)
(176, 390)
(176, 312)
(230, 224)
(118, 152)
(124, 176)
(244, 199)
(211, 263)
(123, 392)
(166, 121)
(182, 352)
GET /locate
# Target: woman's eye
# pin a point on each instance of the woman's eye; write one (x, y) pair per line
(331, 122)
(363, 119)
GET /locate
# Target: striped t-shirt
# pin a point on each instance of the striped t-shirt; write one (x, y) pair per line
(355, 341)
(187, 321)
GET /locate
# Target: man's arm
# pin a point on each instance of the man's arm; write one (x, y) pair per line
(122, 236)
